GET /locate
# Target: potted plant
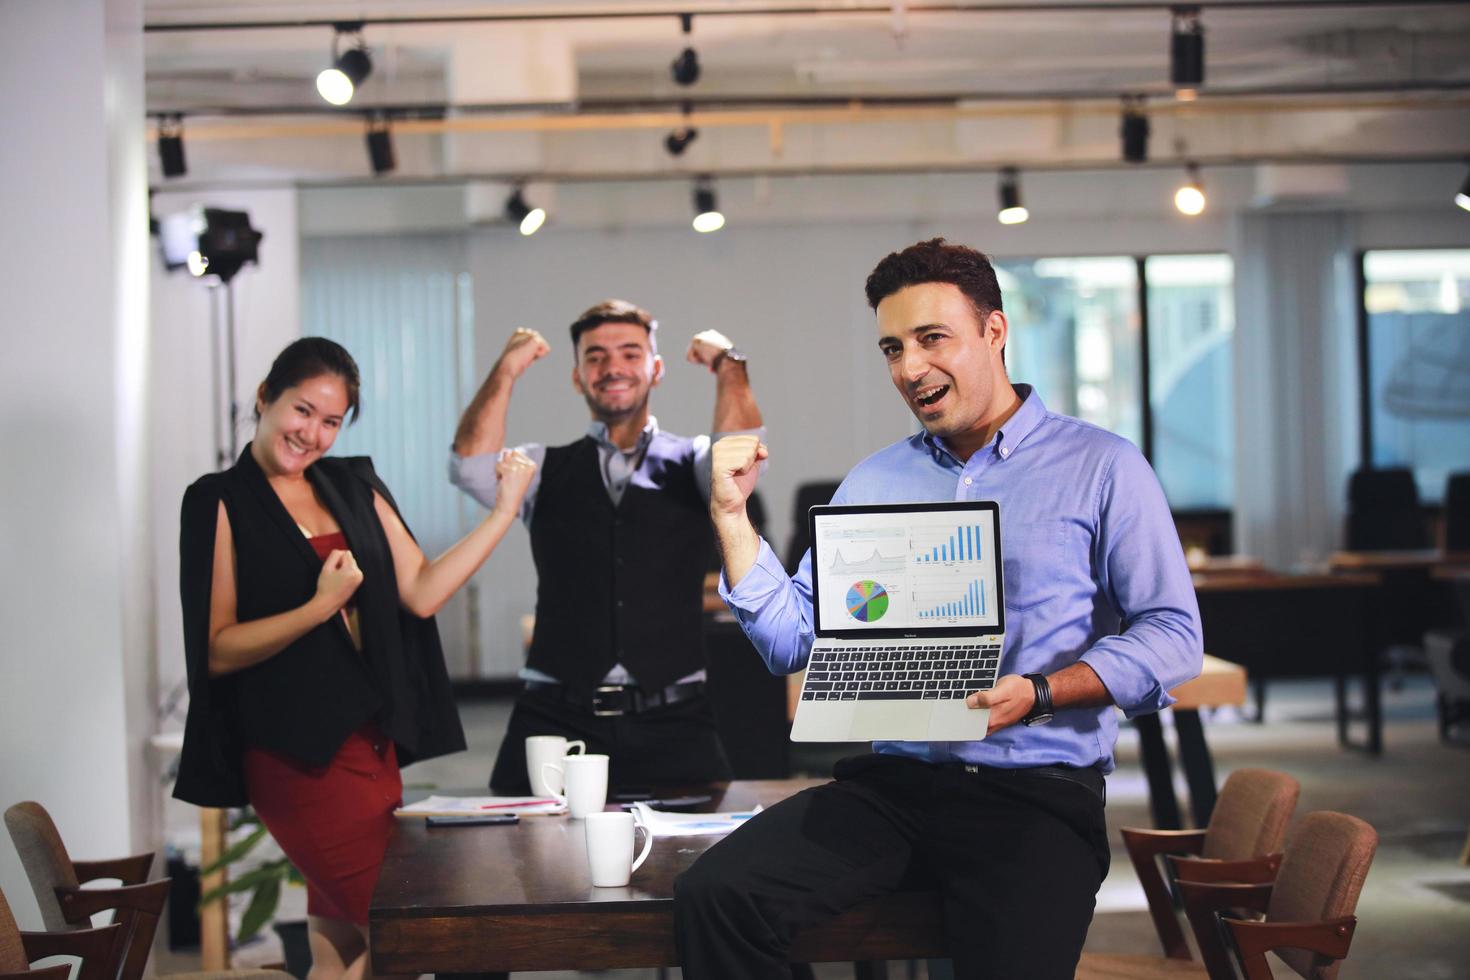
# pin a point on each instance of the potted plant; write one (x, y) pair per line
(263, 883)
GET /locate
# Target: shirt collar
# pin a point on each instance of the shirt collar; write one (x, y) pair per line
(598, 433)
(1016, 429)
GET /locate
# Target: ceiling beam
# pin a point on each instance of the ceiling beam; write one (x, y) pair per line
(842, 9)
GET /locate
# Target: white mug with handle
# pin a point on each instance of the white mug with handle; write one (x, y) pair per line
(610, 847)
(541, 749)
(583, 779)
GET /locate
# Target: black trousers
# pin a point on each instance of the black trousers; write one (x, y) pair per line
(668, 746)
(1017, 856)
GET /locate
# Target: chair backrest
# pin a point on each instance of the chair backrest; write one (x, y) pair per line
(1321, 878)
(808, 495)
(1457, 512)
(12, 953)
(44, 856)
(1383, 511)
(1251, 814)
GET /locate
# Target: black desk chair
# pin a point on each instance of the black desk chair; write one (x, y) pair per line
(1383, 511)
(808, 495)
(1457, 512)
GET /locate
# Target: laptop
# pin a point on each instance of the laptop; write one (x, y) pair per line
(909, 613)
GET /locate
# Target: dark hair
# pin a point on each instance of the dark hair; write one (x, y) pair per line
(308, 358)
(937, 261)
(612, 311)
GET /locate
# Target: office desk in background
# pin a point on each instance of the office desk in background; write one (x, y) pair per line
(478, 899)
(1280, 626)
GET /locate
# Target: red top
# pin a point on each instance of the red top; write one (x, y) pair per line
(325, 544)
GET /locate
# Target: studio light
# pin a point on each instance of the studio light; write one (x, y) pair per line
(171, 146)
(226, 244)
(1190, 197)
(1134, 131)
(707, 216)
(1011, 210)
(678, 141)
(528, 219)
(1186, 53)
(380, 145)
(349, 68)
(1463, 198)
(685, 68)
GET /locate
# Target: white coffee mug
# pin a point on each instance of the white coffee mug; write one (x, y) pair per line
(610, 847)
(541, 749)
(585, 779)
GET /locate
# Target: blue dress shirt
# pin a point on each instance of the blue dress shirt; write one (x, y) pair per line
(1088, 546)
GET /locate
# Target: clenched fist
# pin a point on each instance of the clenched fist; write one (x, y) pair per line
(524, 347)
(514, 470)
(734, 469)
(706, 346)
(338, 580)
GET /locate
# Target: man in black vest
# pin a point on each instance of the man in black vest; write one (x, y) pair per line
(621, 538)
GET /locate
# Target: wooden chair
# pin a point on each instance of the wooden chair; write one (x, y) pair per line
(1242, 843)
(1308, 912)
(19, 949)
(67, 908)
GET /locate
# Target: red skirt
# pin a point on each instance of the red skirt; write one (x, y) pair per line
(333, 822)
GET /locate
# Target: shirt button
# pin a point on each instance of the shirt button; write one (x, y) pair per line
(620, 603)
(968, 481)
(1004, 452)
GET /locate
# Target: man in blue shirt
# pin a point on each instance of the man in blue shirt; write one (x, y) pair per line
(1100, 611)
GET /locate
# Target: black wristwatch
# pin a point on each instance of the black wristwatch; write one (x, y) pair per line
(728, 354)
(1041, 711)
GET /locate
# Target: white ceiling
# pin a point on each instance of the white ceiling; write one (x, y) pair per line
(971, 66)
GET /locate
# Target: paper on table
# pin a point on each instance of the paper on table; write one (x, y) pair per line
(663, 824)
(456, 806)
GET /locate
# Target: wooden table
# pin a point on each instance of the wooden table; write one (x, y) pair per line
(478, 899)
(1219, 683)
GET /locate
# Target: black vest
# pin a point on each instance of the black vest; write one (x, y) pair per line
(619, 584)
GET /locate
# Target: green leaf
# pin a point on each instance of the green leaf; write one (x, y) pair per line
(235, 851)
(270, 871)
(262, 908)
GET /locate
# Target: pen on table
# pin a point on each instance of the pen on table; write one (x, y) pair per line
(497, 806)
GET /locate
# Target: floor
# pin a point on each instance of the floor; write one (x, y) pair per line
(1415, 910)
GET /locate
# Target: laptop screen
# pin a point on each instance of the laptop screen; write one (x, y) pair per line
(890, 570)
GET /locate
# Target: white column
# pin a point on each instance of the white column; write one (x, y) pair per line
(76, 704)
(1295, 395)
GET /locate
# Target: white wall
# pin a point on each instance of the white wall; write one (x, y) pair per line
(75, 587)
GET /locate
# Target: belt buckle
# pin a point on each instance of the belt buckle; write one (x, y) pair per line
(600, 710)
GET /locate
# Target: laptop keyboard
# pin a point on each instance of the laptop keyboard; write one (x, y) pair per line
(907, 673)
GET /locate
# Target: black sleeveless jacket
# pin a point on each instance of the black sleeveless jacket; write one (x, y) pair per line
(619, 584)
(306, 700)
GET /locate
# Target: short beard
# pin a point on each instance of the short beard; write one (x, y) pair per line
(613, 416)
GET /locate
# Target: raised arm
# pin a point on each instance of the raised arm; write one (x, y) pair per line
(735, 407)
(424, 586)
(482, 426)
(234, 645)
(734, 470)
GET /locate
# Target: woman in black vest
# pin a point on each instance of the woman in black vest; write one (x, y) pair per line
(314, 664)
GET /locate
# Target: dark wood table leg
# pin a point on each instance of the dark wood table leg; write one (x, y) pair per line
(1258, 688)
(870, 970)
(1340, 699)
(1162, 802)
(1199, 768)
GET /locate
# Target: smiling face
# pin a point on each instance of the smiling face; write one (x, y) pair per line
(299, 427)
(946, 361)
(616, 370)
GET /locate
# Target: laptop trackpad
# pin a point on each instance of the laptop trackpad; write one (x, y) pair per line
(890, 721)
(952, 721)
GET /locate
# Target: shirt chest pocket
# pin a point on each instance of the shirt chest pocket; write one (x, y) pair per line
(1033, 561)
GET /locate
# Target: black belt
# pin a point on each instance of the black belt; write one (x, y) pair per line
(1091, 777)
(612, 700)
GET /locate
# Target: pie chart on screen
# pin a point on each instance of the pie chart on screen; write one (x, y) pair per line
(867, 601)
